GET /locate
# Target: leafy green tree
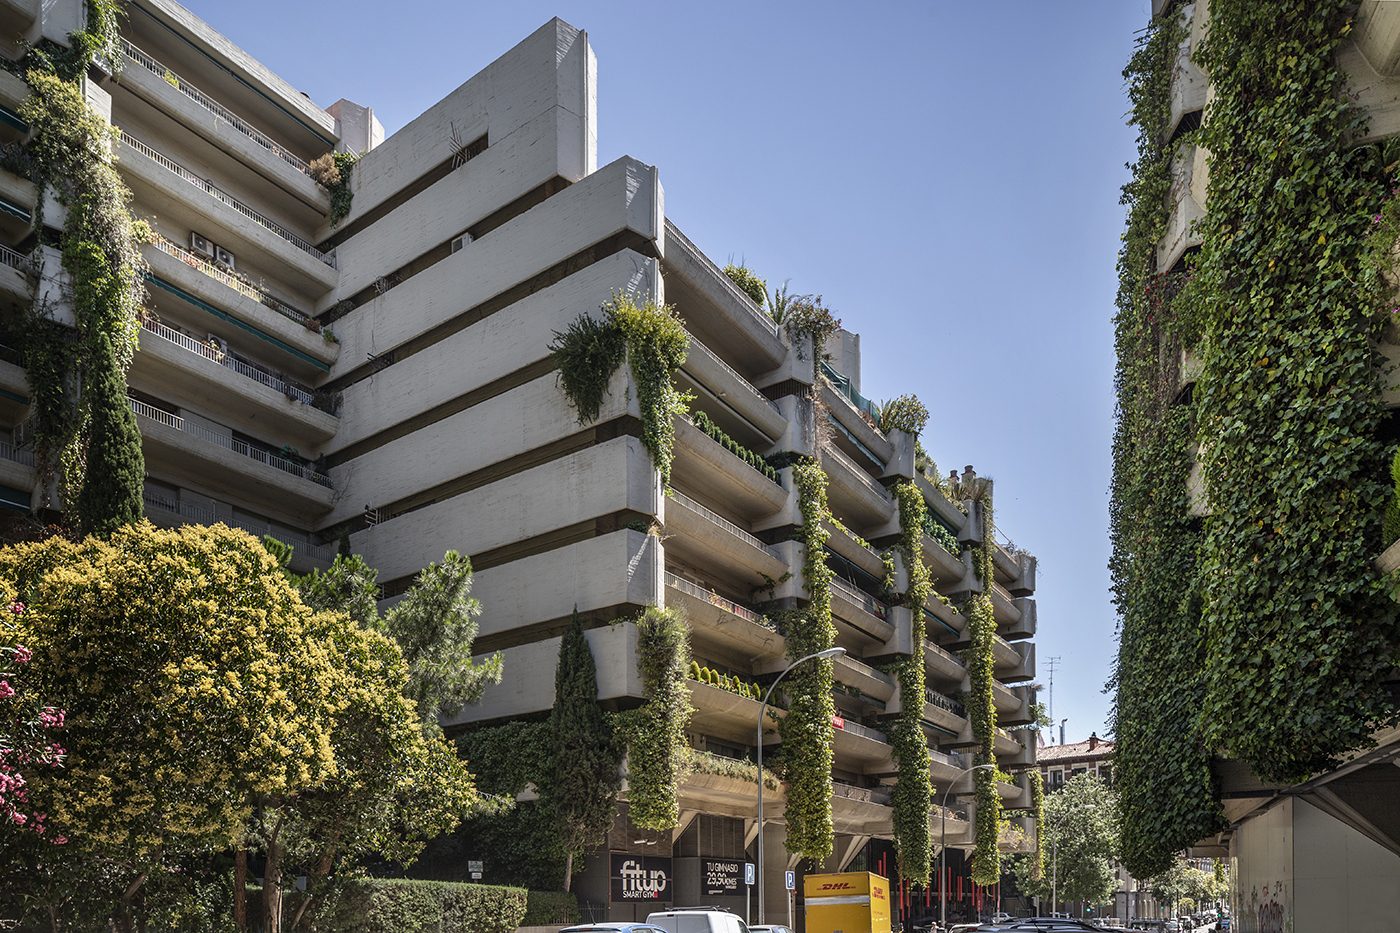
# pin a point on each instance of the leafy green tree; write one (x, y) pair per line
(1183, 882)
(116, 469)
(1080, 828)
(582, 789)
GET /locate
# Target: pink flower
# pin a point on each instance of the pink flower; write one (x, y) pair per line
(59, 840)
(19, 818)
(6, 691)
(23, 654)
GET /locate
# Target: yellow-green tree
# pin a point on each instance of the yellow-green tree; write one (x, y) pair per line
(197, 685)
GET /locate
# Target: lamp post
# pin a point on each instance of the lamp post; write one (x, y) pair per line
(943, 848)
(820, 655)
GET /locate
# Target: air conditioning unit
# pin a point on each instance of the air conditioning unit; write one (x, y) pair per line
(223, 257)
(216, 341)
(200, 245)
(461, 241)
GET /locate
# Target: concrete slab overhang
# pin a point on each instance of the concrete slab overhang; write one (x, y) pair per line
(704, 467)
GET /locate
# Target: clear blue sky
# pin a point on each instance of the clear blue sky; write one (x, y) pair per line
(945, 174)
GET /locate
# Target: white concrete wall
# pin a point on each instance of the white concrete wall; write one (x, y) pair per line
(1262, 882)
(595, 481)
(1343, 882)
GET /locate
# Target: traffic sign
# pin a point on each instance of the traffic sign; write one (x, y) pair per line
(748, 873)
(791, 881)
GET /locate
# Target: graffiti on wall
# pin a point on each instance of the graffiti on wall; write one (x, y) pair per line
(1267, 910)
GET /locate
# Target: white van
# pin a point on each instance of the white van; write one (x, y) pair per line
(697, 920)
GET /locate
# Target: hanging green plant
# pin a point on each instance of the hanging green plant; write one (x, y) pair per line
(655, 732)
(1038, 814)
(806, 317)
(807, 729)
(980, 703)
(655, 341)
(913, 795)
(749, 283)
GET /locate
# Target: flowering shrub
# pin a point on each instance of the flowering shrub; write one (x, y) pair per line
(24, 741)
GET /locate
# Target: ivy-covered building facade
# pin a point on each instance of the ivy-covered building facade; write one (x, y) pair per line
(1254, 492)
(469, 336)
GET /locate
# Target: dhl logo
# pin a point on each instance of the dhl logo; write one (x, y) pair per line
(837, 886)
(878, 891)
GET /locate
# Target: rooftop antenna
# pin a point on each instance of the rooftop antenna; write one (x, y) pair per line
(1051, 663)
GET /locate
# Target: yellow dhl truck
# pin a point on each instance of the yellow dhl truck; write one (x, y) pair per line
(850, 902)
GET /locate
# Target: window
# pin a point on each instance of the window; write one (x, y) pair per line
(1057, 779)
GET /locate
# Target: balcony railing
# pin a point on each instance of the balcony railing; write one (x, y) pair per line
(203, 516)
(16, 260)
(944, 758)
(867, 602)
(213, 106)
(235, 283)
(843, 388)
(714, 599)
(696, 345)
(11, 355)
(1003, 592)
(862, 477)
(229, 443)
(674, 234)
(14, 454)
(856, 728)
(225, 359)
(722, 522)
(939, 700)
(209, 188)
(866, 794)
(944, 653)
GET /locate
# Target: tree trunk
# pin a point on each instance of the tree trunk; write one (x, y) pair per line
(323, 868)
(240, 886)
(568, 870)
(272, 882)
(124, 906)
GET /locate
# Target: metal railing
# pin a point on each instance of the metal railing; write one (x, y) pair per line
(203, 516)
(229, 443)
(861, 476)
(706, 351)
(226, 359)
(951, 761)
(213, 106)
(843, 388)
(714, 599)
(725, 281)
(1003, 592)
(943, 652)
(939, 700)
(11, 355)
(16, 260)
(234, 282)
(866, 794)
(856, 728)
(719, 520)
(211, 189)
(867, 602)
(14, 454)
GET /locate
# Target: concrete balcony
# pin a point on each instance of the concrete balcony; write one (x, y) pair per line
(699, 537)
(943, 668)
(860, 811)
(711, 471)
(1022, 669)
(860, 618)
(725, 319)
(843, 542)
(17, 477)
(856, 497)
(291, 337)
(872, 683)
(854, 435)
(17, 199)
(727, 630)
(179, 196)
(1024, 625)
(949, 571)
(722, 714)
(1014, 571)
(16, 16)
(1025, 757)
(13, 91)
(1185, 208)
(737, 407)
(1190, 87)
(16, 273)
(1378, 36)
(861, 748)
(1025, 716)
(165, 512)
(174, 95)
(174, 364)
(179, 448)
(614, 649)
(14, 387)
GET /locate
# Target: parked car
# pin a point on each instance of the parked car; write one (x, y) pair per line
(613, 926)
(697, 920)
(769, 928)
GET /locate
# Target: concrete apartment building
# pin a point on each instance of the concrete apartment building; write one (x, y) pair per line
(432, 418)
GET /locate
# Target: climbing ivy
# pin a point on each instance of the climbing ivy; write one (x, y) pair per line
(655, 342)
(1038, 813)
(807, 729)
(655, 732)
(806, 317)
(980, 703)
(913, 794)
(68, 151)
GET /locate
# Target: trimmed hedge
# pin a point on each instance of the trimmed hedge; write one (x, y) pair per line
(546, 907)
(397, 905)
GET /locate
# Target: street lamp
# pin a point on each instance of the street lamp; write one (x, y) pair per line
(943, 848)
(1055, 858)
(820, 655)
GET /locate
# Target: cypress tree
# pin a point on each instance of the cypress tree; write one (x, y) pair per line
(585, 782)
(116, 469)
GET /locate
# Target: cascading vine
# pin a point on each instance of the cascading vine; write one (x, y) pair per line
(69, 152)
(1038, 814)
(981, 705)
(807, 729)
(655, 732)
(913, 795)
